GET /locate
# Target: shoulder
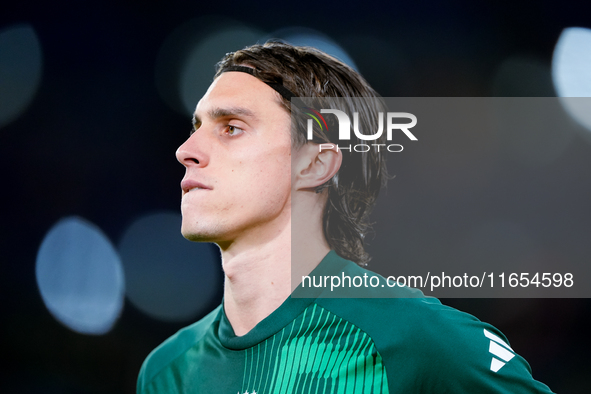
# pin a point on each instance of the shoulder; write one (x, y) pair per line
(430, 347)
(463, 354)
(174, 347)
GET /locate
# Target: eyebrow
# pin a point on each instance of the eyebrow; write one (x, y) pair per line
(218, 113)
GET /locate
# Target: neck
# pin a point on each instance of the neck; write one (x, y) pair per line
(261, 275)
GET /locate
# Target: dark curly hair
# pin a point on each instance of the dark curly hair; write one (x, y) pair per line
(329, 83)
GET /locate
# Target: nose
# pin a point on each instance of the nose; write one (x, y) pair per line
(190, 153)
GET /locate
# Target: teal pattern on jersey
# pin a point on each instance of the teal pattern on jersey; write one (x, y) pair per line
(318, 352)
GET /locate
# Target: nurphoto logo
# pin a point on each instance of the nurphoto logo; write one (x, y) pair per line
(345, 129)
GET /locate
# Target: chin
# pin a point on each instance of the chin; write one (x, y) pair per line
(201, 234)
(197, 236)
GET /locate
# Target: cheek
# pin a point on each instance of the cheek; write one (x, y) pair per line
(263, 171)
(273, 176)
(272, 180)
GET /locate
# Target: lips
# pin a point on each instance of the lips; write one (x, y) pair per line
(188, 185)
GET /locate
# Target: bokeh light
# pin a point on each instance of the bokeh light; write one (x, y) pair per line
(168, 277)
(185, 65)
(20, 70)
(80, 277)
(571, 73)
(303, 36)
(571, 63)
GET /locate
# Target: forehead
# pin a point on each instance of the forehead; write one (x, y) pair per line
(240, 90)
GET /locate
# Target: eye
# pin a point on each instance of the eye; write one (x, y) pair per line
(233, 130)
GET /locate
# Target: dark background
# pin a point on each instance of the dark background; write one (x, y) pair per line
(98, 141)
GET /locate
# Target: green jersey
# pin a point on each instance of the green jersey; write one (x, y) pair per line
(407, 343)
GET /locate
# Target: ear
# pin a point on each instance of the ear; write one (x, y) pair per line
(315, 164)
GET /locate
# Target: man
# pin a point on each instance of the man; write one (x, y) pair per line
(279, 207)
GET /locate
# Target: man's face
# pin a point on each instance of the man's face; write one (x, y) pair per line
(238, 163)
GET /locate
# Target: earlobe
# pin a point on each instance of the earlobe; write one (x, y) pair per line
(317, 165)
